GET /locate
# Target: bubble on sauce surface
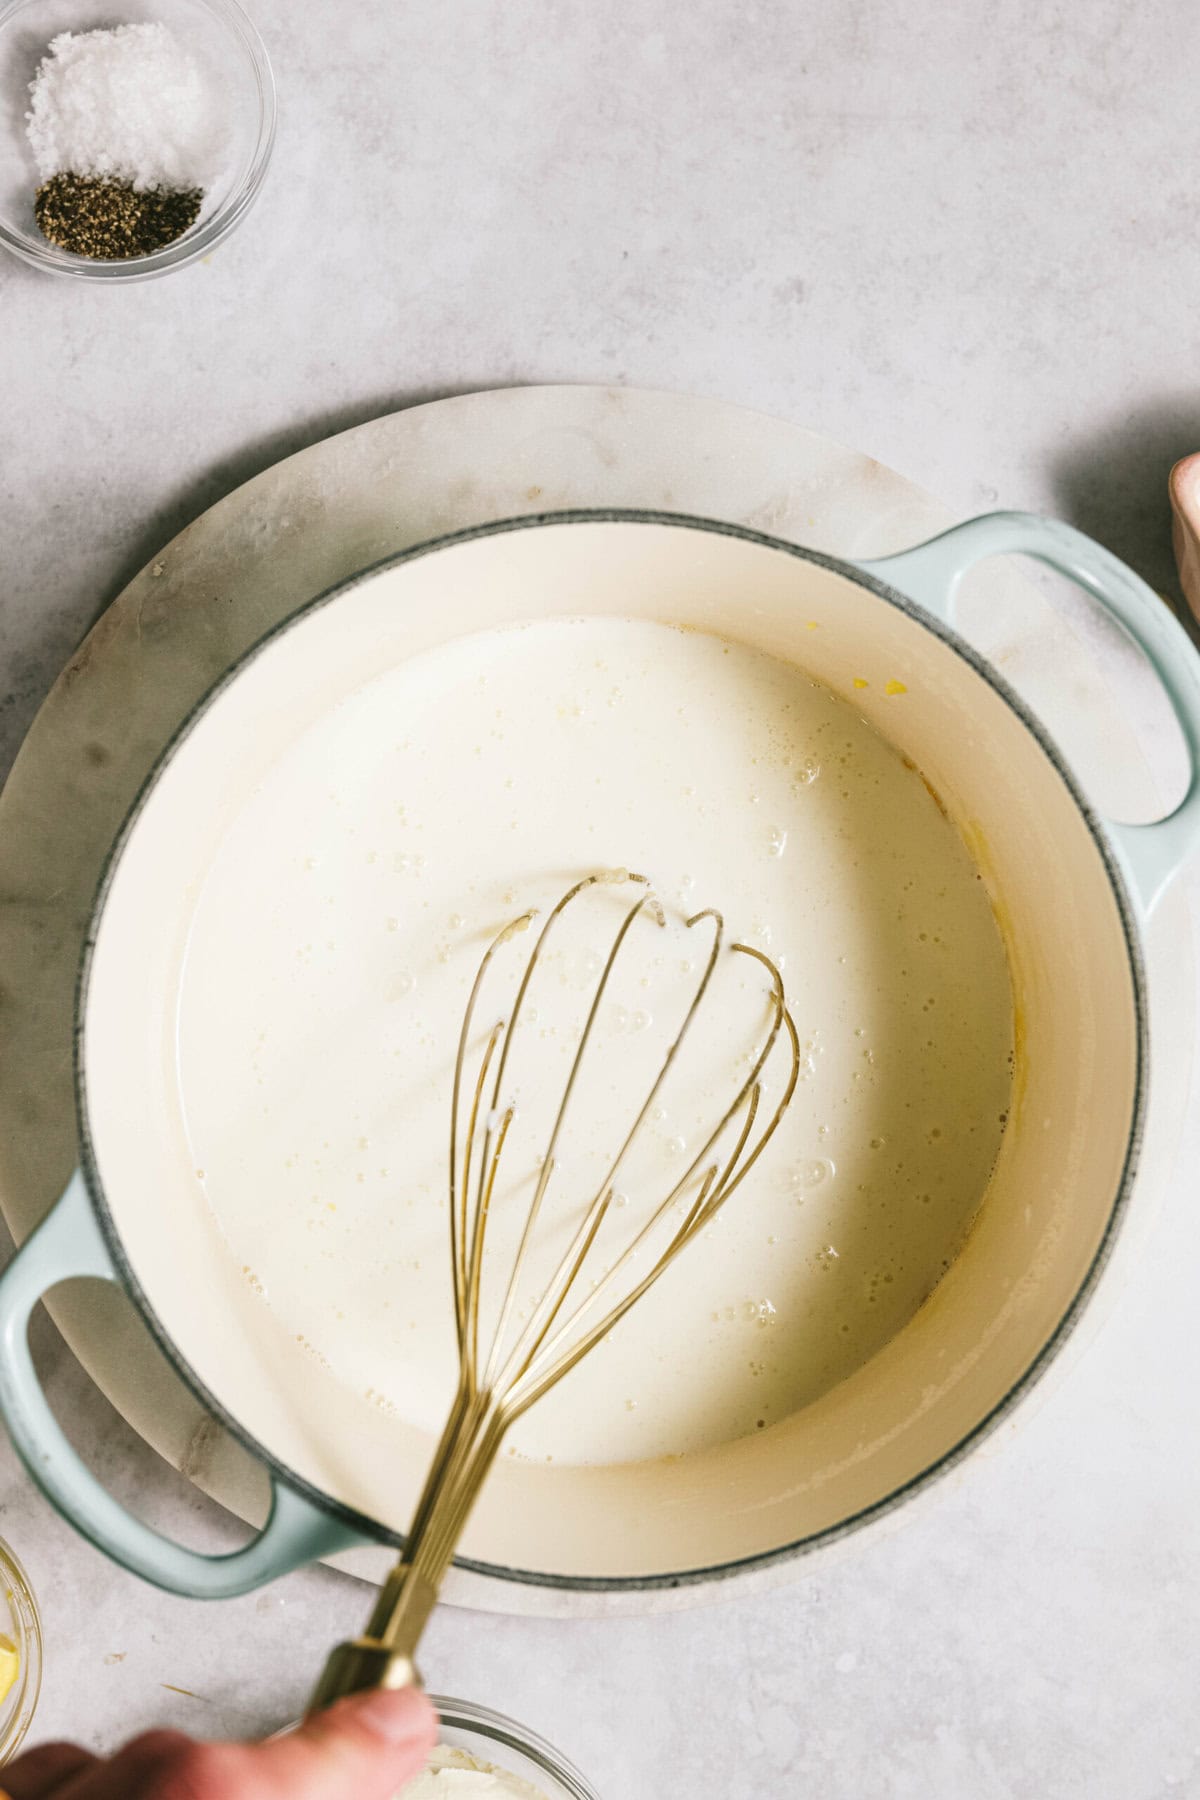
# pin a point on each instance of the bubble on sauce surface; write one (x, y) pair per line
(814, 1173)
(762, 1313)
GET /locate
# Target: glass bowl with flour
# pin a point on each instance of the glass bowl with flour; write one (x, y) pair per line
(484, 1756)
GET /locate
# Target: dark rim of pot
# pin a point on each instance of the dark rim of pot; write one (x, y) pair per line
(949, 1459)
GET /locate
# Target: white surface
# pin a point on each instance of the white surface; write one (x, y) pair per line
(951, 238)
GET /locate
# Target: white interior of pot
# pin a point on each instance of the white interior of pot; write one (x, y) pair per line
(1062, 1157)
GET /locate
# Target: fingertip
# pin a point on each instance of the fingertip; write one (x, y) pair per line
(400, 1716)
(367, 1745)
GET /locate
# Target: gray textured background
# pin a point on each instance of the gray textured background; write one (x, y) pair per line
(962, 239)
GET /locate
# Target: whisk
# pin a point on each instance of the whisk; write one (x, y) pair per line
(532, 1349)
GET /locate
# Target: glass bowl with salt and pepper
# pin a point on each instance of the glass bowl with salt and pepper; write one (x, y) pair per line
(132, 139)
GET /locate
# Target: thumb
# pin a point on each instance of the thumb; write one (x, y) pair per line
(367, 1745)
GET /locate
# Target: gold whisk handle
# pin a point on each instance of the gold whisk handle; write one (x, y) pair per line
(383, 1657)
(361, 1664)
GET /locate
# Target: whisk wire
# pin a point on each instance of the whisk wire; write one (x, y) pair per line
(548, 1160)
(511, 1383)
(520, 1366)
(559, 1290)
(459, 1250)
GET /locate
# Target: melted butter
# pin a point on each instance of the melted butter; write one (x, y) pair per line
(339, 929)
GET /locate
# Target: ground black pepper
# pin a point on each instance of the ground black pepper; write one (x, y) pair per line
(110, 220)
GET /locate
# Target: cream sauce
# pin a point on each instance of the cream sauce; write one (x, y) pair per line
(362, 879)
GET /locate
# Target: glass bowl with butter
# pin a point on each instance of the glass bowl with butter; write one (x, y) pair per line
(20, 1654)
(510, 1762)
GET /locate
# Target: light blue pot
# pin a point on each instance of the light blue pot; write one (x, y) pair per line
(81, 1238)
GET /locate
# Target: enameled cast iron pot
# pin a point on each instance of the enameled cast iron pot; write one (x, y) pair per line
(1070, 894)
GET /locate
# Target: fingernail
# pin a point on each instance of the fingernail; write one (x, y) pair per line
(401, 1717)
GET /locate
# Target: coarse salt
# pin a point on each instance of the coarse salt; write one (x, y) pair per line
(130, 104)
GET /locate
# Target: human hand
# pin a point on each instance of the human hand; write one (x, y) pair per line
(363, 1748)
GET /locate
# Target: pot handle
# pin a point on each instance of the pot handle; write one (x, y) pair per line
(69, 1243)
(1151, 855)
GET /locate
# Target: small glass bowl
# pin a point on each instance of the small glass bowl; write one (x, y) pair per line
(20, 1621)
(489, 1737)
(230, 49)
